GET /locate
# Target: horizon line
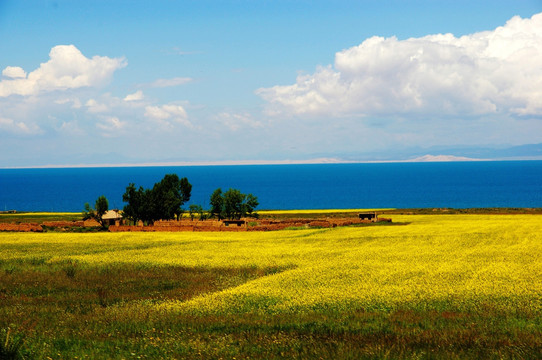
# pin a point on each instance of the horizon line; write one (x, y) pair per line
(315, 161)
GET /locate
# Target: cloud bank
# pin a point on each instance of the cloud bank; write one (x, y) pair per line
(488, 72)
(67, 68)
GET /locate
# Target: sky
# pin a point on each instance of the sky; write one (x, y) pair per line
(149, 82)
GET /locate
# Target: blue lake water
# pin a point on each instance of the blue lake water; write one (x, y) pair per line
(322, 186)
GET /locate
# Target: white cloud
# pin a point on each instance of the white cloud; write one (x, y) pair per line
(238, 121)
(161, 83)
(67, 68)
(156, 112)
(76, 103)
(95, 107)
(164, 113)
(138, 95)
(110, 125)
(18, 127)
(14, 72)
(483, 73)
(62, 101)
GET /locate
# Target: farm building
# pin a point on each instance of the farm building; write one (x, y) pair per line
(112, 217)
(371, 216)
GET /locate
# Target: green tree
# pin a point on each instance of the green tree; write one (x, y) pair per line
(232, 204)
(233, 200)
(88, 212)
(133, 198)
(101, 207)
(140, 205)
(163, 201)
(217, 204)
(250, 203)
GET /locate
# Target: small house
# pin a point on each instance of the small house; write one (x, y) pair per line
(370, 216)
(112, 217)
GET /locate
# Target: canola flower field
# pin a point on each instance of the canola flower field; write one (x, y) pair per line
(439, 286)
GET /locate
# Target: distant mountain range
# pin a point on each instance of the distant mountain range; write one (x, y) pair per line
(440, 158)
(442, 153)
(530, 151)
(432, 154)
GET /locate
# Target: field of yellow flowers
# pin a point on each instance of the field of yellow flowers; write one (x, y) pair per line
(436, 286)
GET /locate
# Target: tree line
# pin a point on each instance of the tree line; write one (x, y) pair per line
(165, 200)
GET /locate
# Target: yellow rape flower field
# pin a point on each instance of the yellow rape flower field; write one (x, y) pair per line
(436, 286)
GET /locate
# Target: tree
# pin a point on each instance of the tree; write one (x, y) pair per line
(163, 201)
(101, 207)
(233, 200)
(88, 212)
(169, 195)
(140, 204)
(250, 203)
(232, 204)
(133, 198)
(217, 204)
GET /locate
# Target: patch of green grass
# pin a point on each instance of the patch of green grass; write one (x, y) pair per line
(298, 228)
(398, 334)
(74, 229)
(69, 304)
(39, 217)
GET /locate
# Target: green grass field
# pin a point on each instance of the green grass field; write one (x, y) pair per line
(441, 287)
(38, 217)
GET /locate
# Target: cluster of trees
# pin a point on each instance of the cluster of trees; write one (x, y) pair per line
(163, 202)
(166, 198)
(232, 204)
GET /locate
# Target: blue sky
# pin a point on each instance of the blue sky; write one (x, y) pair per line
(202, 81)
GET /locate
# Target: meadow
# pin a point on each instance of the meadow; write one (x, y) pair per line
(437, 287)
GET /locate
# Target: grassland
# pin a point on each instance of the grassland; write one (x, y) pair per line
(38, 217)
(443, 286)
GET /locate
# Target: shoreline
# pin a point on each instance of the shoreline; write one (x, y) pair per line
(324, 161)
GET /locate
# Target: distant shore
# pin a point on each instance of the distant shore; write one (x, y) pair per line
(319, 161)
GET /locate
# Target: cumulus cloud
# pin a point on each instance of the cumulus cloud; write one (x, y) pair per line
(18, 127)
(14, 72)
(110, 125)
(138, 95)
(483, 73)
(161, 83)
(166, 113)
(67, 68)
